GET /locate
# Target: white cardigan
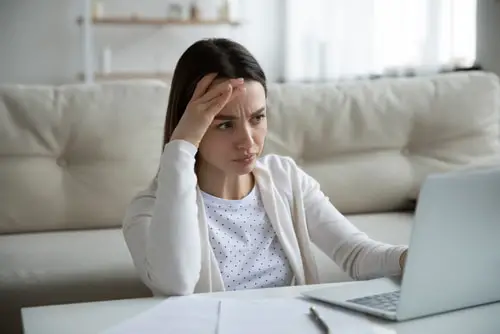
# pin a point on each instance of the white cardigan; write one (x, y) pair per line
(166, 230)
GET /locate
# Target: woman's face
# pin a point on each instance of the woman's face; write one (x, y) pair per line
(235, 139)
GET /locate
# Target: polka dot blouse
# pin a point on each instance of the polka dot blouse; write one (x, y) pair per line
(245, 244)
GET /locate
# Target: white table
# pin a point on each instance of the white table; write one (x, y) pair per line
(95, 317)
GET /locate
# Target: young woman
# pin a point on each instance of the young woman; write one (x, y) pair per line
(218, 216)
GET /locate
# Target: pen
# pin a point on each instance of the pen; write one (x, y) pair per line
(321, 323)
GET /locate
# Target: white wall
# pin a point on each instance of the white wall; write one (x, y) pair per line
(488, 29)
(40, 42)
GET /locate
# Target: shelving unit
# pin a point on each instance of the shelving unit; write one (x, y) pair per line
(154, 21)
(87, 23)
(125, 75)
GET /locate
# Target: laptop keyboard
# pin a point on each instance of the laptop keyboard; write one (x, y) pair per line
(384, 301)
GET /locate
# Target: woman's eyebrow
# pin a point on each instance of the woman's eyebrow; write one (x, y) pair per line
(231, 117)
(225, 117)
(258, 111)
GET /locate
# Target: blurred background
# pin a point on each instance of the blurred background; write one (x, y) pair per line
(69, 41)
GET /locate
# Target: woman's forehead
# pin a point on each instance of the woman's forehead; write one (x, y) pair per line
(251, 99)
(219, 80)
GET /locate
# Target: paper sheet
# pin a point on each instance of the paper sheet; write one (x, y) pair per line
(186, 315)
(290, 316)
(206, 315)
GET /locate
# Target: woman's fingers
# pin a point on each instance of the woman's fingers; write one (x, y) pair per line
(214, 106)
(202, 85)
(236, 91)
(219, 89)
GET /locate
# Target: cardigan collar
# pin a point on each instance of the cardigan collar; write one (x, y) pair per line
(281, 219)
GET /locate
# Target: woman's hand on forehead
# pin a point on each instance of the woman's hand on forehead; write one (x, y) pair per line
(208, 99)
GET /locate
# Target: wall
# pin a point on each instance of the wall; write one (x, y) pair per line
(41, 42)
(488, 29)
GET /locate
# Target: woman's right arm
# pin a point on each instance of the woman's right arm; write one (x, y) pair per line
(161, 225)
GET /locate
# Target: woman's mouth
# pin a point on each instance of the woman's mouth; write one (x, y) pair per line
(246, 159)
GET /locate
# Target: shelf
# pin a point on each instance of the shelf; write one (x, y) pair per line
(156, 21)
(165, 76)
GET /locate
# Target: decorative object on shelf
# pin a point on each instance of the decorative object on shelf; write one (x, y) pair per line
(224, 10)
(106, 61)
(97, 9)
(227, 10)
(175, 12)
(194, 12)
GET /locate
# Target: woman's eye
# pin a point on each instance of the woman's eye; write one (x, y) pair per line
(259, 118)
(224, 126)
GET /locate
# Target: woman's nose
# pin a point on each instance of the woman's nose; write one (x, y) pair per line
(245, 139)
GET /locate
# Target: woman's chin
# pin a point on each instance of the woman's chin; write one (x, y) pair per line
(242, 170)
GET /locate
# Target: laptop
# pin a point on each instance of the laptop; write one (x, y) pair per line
(453, 260)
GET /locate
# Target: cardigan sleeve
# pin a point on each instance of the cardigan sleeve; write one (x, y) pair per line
(350, 248)
(161, 225)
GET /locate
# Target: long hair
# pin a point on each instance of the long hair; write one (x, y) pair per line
(215, 55)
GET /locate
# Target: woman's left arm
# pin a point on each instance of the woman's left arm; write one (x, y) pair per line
(357, 254)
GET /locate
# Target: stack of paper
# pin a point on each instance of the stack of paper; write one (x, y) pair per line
(205, 315)
(291, 316)
(186, 315)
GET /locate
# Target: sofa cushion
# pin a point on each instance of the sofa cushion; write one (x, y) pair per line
(372, 143)
(65, 267)
(73, 156)
(76, 266)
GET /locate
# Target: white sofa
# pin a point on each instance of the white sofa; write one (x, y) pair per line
(71, 158)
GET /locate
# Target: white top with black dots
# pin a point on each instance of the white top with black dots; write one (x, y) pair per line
(245, 244)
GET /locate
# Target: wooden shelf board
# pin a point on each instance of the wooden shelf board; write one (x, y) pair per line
(155, 21)
(130, 75)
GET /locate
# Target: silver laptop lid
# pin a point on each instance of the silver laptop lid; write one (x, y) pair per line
(454, 256)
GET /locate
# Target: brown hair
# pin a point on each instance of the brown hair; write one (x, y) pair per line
(215, 55)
